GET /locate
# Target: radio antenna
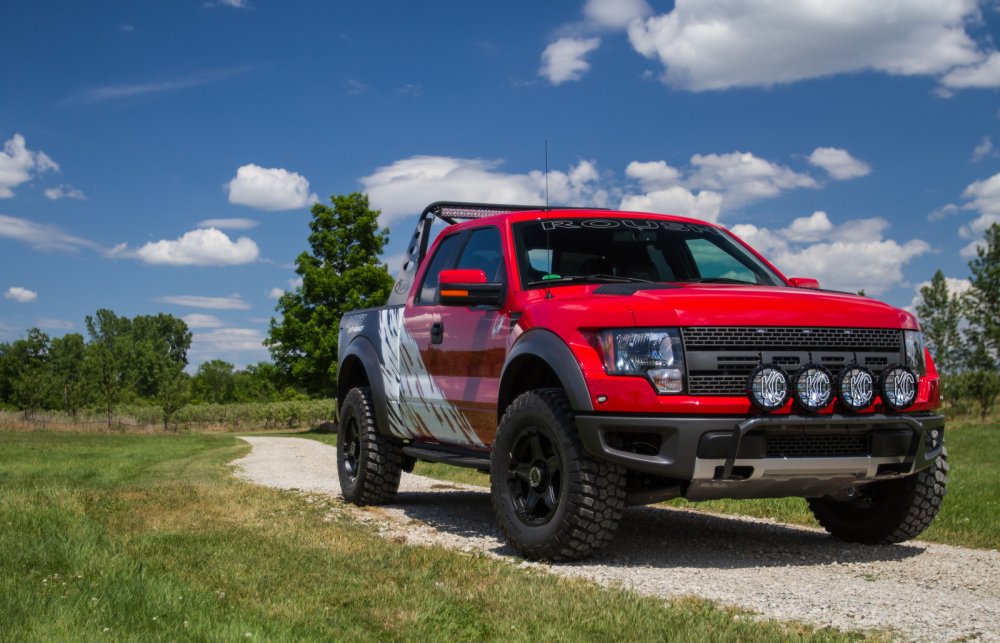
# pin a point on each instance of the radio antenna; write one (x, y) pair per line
(546, 173)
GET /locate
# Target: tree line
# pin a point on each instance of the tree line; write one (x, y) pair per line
(962, 329)
(125, 361)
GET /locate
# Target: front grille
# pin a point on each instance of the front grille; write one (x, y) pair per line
(817, 446)
(719, 359)
(742, 337)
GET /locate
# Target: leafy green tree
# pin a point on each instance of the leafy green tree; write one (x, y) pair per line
(72, 388)
(983, 298)
(31, 384)
(173, 392)
(108, 358)
(940, 313)
(214, 382)
(341, 273)
(259, 382)
(159, 346)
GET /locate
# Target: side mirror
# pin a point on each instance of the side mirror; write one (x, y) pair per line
(468, 288)
(804, 282)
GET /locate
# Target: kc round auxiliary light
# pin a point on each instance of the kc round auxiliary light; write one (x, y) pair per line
(813, 387)
(767, 387)
(898, 386)
(856, 387)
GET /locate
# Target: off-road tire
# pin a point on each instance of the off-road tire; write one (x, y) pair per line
(369, 464)
(587, 495)
(887, 512)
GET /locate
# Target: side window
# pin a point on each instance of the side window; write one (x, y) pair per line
(714, 262)
(483, 252)
(443, 259)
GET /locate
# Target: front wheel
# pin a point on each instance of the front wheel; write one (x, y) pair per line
(369, 464)
(552, 499)
(887, 512)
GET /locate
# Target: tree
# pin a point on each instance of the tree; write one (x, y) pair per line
(341, 273)
(31, 384)
(173, 392)
(66, 356)
(940, 313)
(983, 298)
(259, 382)
(159, 346)
(214, 382)
(108, 357)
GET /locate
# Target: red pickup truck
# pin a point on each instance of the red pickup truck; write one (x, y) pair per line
(591, 359)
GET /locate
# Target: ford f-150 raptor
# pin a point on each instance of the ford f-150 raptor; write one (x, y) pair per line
(590, 359)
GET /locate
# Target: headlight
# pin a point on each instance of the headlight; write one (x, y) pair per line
(654, 354)
(914, 342)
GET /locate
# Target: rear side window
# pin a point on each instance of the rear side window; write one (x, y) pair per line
(444, 258)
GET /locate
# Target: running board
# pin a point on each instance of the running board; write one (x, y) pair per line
(466, 459)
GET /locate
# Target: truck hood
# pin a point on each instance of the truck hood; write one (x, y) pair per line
(735, 305)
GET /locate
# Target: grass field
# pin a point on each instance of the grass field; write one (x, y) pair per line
(148, 537)
(971, 513)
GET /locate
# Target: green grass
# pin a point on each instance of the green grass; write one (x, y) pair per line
(970, 516)
(148, 537)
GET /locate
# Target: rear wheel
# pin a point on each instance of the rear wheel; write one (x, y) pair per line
(552, 499)
(887, 512)
(369, 464)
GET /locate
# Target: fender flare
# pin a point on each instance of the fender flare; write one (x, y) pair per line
(548, 347)
(362, 349)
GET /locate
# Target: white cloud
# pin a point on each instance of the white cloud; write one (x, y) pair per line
(269, 189)
(228, 224)
(235, 4)
(65, 191)
(615, 14)
(275, 293)
(956, 287)
(838, 163)
(227, 340)
(677, 200)
(54, 324)
(971, 250)
(405, 187)
(199, 320)
(943, 212)
(654, 175)
(719, 44)
(565, 59)
(21, 295)
(980, 75)
(984, 149)
(232, 302)
(742, 177)
(201, 247)
(44, 237)
(849, 257)
(983, 197)
(18, 165)
(132, 90)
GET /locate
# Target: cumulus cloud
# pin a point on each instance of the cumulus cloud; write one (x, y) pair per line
(200, 320)
(405, 187)
(227, 340)
(849, 257)
(565, 59)
(228, 224)
(678, 200)
(653, 175)
(20, 295)
(201, 247)
(275, 293)
(838, 163)
(615, 14)
(983, 197)
(984, 149)
(18, 165)
(65, 191)
(44, 237)
(232, 302)
(742, 177)
(943, 212)
(269, 189)
(718, 44)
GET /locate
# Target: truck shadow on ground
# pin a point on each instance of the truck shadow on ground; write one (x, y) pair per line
(661, 537)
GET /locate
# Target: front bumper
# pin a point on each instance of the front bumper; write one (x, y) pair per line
(766, 456)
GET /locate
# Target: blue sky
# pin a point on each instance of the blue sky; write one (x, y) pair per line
(162, 156)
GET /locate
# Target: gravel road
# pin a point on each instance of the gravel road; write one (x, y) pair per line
(923, 591)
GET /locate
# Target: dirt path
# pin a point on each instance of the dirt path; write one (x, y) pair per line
(923, 591)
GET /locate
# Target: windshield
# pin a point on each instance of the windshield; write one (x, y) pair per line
(558, 251)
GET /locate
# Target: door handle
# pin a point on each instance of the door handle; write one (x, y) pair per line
(437, 333)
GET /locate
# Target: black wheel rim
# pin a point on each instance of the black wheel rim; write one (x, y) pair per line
(352, 448)
(535, 477)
